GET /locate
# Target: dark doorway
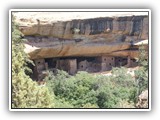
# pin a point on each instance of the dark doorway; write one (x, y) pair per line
(51, 62)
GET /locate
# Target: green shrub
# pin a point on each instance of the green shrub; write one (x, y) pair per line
(141, 75)
(125, 104)
(85, 90)
(25, 92)
(77, 90)
(62, 103)
(117, 87)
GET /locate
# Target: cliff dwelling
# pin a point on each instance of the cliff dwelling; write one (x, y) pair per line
(83, 44)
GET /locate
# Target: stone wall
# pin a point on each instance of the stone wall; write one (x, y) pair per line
(68, 65)
(106, 62)
(75, 64)
(83, 65)
(72, 66)
(121, 61)
(39, 69)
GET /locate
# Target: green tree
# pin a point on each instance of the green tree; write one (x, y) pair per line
(141, 75)
(143, 57)
(25, 92)
(116, 88)
(76, 90)
(87, 91)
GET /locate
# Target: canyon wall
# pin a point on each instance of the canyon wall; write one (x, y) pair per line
(114, 36)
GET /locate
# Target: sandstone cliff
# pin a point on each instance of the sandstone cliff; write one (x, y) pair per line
(115, 36)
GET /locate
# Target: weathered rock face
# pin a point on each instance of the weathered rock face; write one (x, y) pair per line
(115, 36)
(132, 26)
(143, 100)
(69, 48)
(91, 45)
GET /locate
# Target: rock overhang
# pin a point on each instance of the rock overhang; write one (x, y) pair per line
(97, 36)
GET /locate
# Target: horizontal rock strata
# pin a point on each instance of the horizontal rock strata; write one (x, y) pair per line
(115, 36)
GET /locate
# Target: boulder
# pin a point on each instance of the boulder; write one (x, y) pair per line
(143, 100)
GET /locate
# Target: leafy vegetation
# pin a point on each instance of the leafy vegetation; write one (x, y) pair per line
(141, 75)
(85, 90)
(25, 92)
